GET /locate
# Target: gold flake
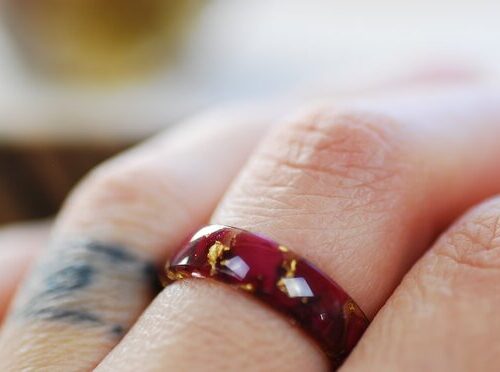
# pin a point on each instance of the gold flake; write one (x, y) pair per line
(247, 287)
(350, 307)
(215, 253)
(290, 269)
(281, 286)
(283, 249)
(171, 275)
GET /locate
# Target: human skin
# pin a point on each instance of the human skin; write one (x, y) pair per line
(19, 245)
(362, 187)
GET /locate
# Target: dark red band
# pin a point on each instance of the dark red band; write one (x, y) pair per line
(279, 278)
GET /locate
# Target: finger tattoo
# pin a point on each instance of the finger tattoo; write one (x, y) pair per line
(81, 279)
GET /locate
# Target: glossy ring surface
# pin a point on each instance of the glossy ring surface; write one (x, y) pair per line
(276, 276)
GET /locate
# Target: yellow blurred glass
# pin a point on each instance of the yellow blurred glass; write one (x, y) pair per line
(98, 40)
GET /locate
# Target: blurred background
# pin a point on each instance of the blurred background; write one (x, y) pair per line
(83, 79)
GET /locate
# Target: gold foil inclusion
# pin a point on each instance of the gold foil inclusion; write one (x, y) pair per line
(174, 275)
(349, 307)
(215, 253)
(290, 268)
(283, 249)
(247, 287)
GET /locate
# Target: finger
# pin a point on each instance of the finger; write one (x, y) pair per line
(360, 190)
(98, 272)
(19, 245)
(444, 315)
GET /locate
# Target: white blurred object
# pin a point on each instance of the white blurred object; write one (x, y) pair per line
(243, 50)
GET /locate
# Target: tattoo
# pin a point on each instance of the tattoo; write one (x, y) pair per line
(63, 288)
(118, 255)
(114, 253)
(67, 315)
(69, 278)
(117, 330)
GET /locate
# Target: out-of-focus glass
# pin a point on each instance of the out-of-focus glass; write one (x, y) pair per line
(98, 40)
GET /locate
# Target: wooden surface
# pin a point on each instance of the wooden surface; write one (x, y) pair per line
(35, 179)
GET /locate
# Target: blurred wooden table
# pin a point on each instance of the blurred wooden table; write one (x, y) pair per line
(35, 179)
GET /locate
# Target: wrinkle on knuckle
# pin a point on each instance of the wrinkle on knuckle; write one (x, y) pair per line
(475, 241)
(122, 184)
(416, 291)
(131, 199)
(341, 173)
(461, 268)
(358, 157)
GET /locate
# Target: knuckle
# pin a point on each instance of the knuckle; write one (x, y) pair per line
(116, 183)
(326, 163)
(361, 154)
(474, 241)
(342, 143)
(123, 197)
(460, 270)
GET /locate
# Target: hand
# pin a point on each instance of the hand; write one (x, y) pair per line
(362, 187)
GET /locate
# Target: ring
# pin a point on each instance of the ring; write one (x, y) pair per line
(276, 276)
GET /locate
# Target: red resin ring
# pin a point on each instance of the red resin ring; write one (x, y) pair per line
(276, 276)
